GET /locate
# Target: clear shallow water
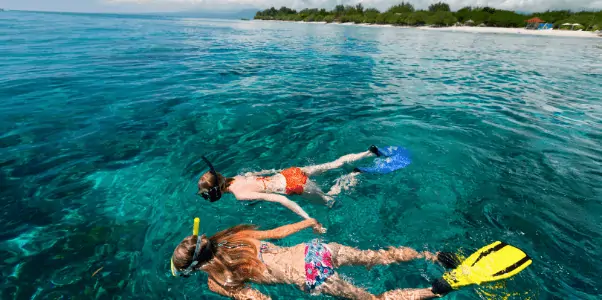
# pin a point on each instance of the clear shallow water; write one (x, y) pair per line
(104, 119)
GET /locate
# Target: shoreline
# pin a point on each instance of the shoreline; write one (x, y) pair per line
(467, 29)
(520, 31)
(338, 24)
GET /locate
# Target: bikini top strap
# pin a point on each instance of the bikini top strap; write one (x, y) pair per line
(265, 188)
(262, 248)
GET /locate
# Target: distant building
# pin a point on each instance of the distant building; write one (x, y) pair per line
(538, 24)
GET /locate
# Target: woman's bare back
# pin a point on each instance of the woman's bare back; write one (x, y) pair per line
(284, 265)
(249, 184)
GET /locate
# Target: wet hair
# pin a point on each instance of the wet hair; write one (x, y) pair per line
(207, 181)
(232, 258)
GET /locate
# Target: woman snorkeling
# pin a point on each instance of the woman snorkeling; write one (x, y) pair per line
(291, 181)
(238, 255)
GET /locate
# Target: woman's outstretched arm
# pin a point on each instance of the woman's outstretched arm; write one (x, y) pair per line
(274, 198)
(282, 200)
(284, 231)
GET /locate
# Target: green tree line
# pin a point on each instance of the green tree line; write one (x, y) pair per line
(437, 14)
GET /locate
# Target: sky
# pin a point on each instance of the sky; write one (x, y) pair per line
(144, 6)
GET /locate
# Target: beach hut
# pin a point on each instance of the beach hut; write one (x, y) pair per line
(533, 23)
(469, 23)
(545, 26)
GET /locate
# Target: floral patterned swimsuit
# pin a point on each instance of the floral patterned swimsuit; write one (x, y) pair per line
(318, 263)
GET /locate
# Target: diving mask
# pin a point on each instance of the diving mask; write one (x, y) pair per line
(197, 250)
(215, 192)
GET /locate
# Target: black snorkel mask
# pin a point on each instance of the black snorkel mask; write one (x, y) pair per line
(214, 193)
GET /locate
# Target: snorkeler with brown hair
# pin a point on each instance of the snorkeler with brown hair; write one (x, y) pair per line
(239, 255)
(291, 181)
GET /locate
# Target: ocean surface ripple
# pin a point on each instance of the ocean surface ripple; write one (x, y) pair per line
(105, 117)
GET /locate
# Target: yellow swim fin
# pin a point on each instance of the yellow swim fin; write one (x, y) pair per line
(493, 262)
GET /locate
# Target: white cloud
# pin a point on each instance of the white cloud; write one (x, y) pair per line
(521, 5)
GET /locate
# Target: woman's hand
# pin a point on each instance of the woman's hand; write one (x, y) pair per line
(318, 228)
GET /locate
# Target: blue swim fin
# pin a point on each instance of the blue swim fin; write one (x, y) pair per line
(389, 159)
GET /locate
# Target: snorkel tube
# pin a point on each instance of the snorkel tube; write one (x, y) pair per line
(195, 226)
(215, 192)
(197, 250)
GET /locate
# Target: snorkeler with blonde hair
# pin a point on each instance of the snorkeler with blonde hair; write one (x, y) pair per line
(239, 255)
(291, 181)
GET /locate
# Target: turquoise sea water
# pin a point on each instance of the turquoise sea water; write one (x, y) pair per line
(104, 118)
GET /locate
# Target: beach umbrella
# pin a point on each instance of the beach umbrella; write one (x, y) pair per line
(575, 24)
(535, 20)
(566, 24)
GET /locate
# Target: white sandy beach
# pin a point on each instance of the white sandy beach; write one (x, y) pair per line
(563, 33)
(469, 29)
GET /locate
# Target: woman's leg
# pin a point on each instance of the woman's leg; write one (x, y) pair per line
(344, 255)
(409, 294)
(312, 188)
(344, 182)
(328, 200)
(338, 287)
(318, 169)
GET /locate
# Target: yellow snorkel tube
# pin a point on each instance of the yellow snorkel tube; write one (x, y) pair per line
(195, 226)
(195, 231)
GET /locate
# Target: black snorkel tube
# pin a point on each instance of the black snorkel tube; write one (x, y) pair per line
(214, 193)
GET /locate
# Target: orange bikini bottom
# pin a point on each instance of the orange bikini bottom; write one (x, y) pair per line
(295, 180)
